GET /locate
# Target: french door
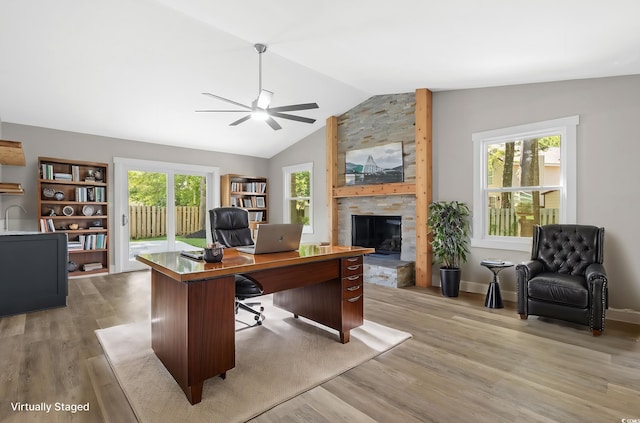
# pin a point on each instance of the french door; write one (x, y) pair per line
(161, 206)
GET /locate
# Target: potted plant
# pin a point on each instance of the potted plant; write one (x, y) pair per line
(449, 225)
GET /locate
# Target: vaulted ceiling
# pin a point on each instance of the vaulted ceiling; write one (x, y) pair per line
(135, 69)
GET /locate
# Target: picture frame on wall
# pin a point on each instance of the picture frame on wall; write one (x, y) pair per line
(375, 165)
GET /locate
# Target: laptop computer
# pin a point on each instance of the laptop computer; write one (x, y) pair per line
(274, 238)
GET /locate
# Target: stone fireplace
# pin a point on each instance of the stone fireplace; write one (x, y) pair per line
(380, 121)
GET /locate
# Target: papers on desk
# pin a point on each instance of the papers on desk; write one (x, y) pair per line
(194, 255)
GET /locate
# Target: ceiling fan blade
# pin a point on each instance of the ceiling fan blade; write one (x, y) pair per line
(223, 111)
(294, 107)
(273, 124)
(291, 117)
(227, 100)
(239, 121)
(264, 99)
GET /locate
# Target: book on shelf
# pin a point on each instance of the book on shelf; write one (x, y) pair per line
(46, 225)
(91, 266)
(93, 242)
(74, 245)
(62, 176)
(255, 216)
(260, 187)
(47, 171)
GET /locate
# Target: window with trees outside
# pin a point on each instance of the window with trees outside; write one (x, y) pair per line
(523, 176)
(298, 204)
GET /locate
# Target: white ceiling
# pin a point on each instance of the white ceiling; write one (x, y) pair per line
(135, 69)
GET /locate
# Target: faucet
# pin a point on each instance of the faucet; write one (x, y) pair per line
(6, 214)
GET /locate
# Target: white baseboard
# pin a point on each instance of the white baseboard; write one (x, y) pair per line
(619, 315)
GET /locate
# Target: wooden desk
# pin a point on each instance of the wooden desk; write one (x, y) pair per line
(192, 302)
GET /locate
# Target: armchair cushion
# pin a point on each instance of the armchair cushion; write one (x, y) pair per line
(559, 288)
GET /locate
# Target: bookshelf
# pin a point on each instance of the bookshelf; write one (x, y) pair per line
(72, 198)
(248, 192)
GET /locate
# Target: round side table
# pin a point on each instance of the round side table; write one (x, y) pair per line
(494, 297)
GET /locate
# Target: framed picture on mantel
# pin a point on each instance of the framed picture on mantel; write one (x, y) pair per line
(375, 165)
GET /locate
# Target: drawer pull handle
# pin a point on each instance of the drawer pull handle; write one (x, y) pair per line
(356, 267)
(353, 288)
(353, 278)
(353, 259)
(354, 299)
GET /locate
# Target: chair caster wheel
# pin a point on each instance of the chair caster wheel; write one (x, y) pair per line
(259, 323)
(261, 309)
(256, 317)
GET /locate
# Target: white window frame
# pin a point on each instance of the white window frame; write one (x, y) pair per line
(567, 128)
(286, 177)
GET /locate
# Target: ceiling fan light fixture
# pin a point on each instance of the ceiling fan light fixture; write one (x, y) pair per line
(259, 114)
(264, 99)
(260, 108)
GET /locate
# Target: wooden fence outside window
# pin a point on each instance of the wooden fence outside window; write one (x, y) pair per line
(505, 222)
(151, 221)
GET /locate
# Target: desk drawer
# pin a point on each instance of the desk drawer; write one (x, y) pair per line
(352, 280)
(351, 266)
(352, 291)
(352, 311)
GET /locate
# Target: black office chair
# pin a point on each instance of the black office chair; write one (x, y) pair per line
(565, 278)
(230, 227)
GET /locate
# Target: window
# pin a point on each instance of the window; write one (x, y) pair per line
(523, 176)
(298, 204)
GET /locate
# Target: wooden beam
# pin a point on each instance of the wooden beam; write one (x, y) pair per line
(395, 188)
(332, 178)
(424, 171)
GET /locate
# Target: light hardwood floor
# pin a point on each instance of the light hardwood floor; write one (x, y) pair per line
(464, 363)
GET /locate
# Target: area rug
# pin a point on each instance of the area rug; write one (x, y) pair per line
(274, 362)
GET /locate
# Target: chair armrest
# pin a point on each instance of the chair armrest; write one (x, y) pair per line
(529, 269)
(595, 271)
(597, 281)
(524, 273)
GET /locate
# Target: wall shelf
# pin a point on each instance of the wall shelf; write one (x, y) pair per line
(396, 188)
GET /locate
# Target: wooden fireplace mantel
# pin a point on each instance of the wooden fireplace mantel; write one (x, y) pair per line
(422, 189)
(395, 188)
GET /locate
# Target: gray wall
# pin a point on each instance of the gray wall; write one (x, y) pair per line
(608, 146)
(309, 149)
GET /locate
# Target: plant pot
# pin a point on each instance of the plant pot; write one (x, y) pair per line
(450, 281)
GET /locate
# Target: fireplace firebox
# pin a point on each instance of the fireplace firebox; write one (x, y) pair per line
(380, 232)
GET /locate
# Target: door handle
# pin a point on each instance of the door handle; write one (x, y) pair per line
(125, 220)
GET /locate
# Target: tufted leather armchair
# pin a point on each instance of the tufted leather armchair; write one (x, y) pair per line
(565, 278)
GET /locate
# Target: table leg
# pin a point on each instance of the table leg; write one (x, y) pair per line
(494, 297)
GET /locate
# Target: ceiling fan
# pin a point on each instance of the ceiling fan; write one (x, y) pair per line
(259, 108)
